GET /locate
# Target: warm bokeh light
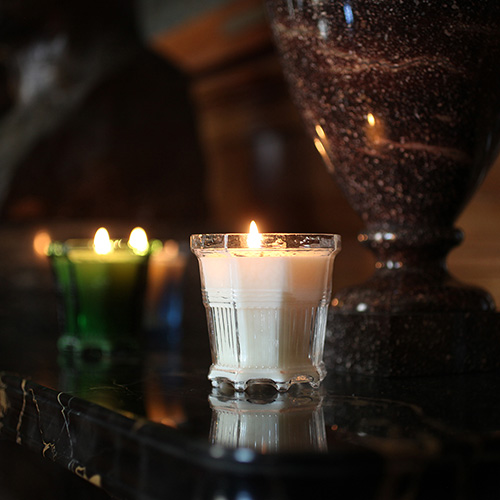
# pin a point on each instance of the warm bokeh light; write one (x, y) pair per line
(320, 147)
(138, 240)
(102, 243)
(322, 151)
(41, 243)
(171, 249)
(254, 237)
(375, 130)
(320, 132)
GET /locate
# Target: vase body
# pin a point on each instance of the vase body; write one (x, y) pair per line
(402, 102)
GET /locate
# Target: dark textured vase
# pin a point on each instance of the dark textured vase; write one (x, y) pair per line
(402, 101)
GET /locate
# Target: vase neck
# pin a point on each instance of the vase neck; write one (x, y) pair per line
(421, 249)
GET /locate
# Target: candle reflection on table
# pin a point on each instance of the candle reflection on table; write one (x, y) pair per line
(282, 422)
(163, 373)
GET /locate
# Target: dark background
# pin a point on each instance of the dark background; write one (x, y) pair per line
(169, 115)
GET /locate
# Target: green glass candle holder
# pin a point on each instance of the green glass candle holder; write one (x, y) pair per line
(100, 297)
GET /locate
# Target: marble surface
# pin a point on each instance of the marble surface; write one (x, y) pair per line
(152, 426)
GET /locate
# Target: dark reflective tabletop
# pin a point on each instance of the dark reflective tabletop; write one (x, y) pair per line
(150, 426)
(144, 426)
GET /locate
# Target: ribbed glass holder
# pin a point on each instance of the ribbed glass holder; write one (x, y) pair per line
(266, 306)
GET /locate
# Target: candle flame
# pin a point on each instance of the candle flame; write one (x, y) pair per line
(102, 243)
(371, 120)
(254, 238)
(138, 240)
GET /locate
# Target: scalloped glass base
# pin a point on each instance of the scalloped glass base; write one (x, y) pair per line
(281, 379)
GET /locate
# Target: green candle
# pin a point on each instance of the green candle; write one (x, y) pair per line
(101, 287)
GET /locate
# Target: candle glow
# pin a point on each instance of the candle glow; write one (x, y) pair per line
(102, 243)
(41, 243)
(254, 238)
(138, 240)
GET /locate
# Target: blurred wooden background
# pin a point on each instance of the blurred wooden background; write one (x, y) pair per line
(196, 115)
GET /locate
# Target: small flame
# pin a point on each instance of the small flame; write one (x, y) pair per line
(254, 238)
(138, 240)
(371, 120)
(102, 243)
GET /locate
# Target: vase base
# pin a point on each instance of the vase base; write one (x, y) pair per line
(407, 292)
(412, 344)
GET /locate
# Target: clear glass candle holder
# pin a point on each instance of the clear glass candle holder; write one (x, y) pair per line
(266, 306)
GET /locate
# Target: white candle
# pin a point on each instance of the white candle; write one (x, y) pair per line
(266, 305)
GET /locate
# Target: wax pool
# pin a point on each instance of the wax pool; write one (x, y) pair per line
(267, 310)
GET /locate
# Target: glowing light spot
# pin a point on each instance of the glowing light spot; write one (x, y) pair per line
(348, 14)
(319, 147)
(322, 151)
(320, 132)
(370, 119)
(171, 249)
(323, 28)
(138, 240)
(102, 243)
(254, 238)
(41, 243)
(244, 455)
